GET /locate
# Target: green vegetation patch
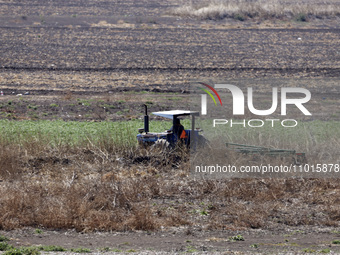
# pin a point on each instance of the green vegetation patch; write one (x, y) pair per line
(22, 251)
(4, 239)
(75, 133)
(5, 246)
(81, 250)
(50, 248)
(236, 238)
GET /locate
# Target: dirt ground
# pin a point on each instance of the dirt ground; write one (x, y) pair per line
(98, 60)
(181, 240)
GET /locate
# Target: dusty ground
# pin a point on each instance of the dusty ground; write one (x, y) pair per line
(293, 240)
(102, 47)
(95, 60)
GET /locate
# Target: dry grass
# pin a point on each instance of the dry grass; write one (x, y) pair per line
(106, 187)
(8, 162)
(258, 9)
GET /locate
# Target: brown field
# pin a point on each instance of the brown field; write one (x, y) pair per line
(100, 61)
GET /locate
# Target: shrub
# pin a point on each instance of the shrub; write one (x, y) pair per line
(5, 246)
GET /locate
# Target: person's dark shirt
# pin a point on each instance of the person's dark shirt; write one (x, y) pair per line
(177, 130)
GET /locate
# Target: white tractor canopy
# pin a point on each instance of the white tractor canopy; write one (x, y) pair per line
(175, 113)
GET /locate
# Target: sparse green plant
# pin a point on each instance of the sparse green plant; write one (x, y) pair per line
(116, 250)
(108, 106)
(38, 231)
(105, 249)
(308, 250)
(29, 250)
(49, 248)
(325, 250)
(336, 242)
(204, 213)
(33, 107)
(236, 238)
(10, 116)
(81, 250)
(255, 245)
(4, 239)
(5, 246)
(191, 249)
(13, 252)
(84, 102)
(131, 250)
(54, 105)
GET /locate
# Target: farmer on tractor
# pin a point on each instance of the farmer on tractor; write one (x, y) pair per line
(178, 130)
(175, 134)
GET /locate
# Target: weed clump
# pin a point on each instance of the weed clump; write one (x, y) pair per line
(50, 248)
(237, 238)
(3, 239)
(81, 250)
(5, 246)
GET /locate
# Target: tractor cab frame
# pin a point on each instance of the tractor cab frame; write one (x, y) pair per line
(148, 138)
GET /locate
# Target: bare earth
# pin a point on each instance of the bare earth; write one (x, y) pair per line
(179, 240)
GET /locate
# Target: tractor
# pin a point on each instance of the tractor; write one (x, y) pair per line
(193, 139)
(190, 137)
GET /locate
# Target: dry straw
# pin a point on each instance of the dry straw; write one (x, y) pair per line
(258, 9)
